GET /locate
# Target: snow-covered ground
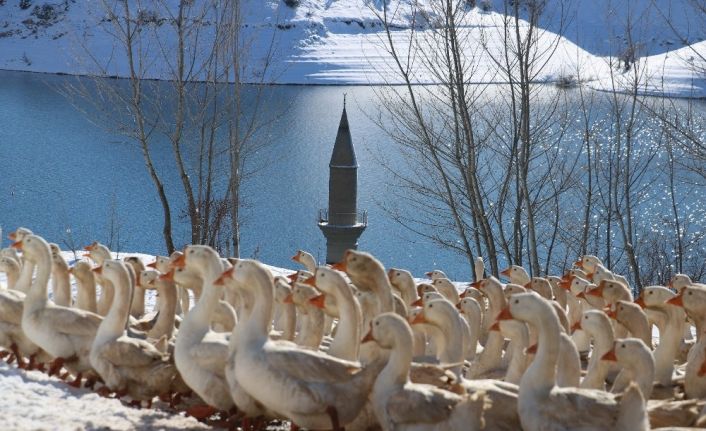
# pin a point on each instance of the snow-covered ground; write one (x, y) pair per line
(343, 42)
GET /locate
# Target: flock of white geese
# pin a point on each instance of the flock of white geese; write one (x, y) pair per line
(357, 346)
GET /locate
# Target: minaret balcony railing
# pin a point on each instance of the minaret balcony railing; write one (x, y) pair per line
(361, 217)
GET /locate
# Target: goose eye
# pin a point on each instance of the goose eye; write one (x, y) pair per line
(623, 346)
(689, 292)
(322, 275)
(650, 292)
(377, 323)
(398, 274)
(585, 317)
(517, 301)
(191, 251)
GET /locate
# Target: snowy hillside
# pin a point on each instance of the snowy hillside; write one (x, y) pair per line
(336, 41)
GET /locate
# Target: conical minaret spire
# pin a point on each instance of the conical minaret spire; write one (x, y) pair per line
(342, 224)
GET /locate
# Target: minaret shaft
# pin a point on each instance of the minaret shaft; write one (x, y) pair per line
(343, 225)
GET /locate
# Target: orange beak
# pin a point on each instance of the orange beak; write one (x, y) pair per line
(418, 303)
(152, 265)
(369, 336)
(311, 281)
(318, 301)
(677, 300)
(295, 257)
(611, 313)
(11, 236)
(17, 245)
(289, 299)
(89, 247)
(98, 270)
(590, 276)
(220, 281)
(531, 350)
(506, 272)
(641, 302)
(419, 318)
(87, 256)
(610, 356)
(576, 326)
(293, 276)
(581, 295)
(528, 285)
(389, 274)
(505, 314)
(170, 277)
(340, 266)
(458, 306)
(579, 263)
(597, 291)
(428, 274)
(495, 326)
(565, 284)
(179, 262)
(476, 284)
(71, 270)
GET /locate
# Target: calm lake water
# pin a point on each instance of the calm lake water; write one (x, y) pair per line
(62, 172)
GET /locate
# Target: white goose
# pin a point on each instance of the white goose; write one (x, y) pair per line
(127, 365)
(544, 406)
(199, 353)
(403, 282)
(11, 268)
(345, 344)
(314, 390)
(400, 404)
(85, 286)
(638, 365)
(64, 333)
(60, 278)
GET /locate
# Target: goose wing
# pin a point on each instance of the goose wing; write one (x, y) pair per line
(72, 321)
(421, 404)
(309, 365)
(128, 352)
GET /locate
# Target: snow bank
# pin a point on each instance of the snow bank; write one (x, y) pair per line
(339, 42)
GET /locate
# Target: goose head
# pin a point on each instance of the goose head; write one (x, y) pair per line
(116, 272)
(656, 296)
(162, 263)
(10, 253)
(199, 258)
(389, 330)
(588, 262)
(423, 288)
(692, 299)
(472, 292)
(438, 312)
(516, 274)
(469, 306)
(282, 291)
(97, 252)
(362, 268)
(34, 248)
(58, 262)
(625, 350)
(9, 265)
(398, 277)
(625, 311)
(82, 271)
(136, 264)
(148, 277)
(595, 322)
(680, 281)
(528, 307)
(541, 286)
(19, 234)
(433, 275)
(513, 289)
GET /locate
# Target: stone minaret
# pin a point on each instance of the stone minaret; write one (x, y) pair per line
(342, 224)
